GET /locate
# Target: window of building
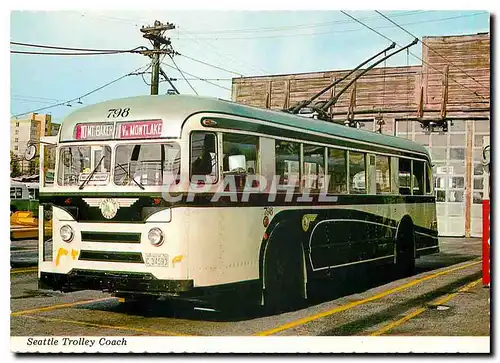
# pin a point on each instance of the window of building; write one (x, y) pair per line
(17, 132)
(438, 153)
(16, 193)
(457, 153)
(16, 147)
(383, 174)
(240, 157)
(287, 163)
(357, 172)
(457, 182)
(337, 169)
(17, 124)
(16, 139)
(203, 157)
(313, 177)
(428, 179)
(418, 178)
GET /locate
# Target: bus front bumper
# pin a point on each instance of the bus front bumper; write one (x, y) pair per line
(113, 282)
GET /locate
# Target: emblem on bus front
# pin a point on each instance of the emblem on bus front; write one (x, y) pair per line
(108, 208)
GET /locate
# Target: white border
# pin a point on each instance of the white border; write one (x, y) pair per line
(360, 344)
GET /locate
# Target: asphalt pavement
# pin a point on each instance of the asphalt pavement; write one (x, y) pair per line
(444, 297)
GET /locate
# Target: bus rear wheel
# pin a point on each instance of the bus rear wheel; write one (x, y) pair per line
(284, 277)
(405, 248)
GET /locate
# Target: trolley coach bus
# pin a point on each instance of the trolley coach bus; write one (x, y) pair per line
(193, 198)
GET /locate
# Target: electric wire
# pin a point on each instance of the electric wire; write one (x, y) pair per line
(82, 96)
(432, 49)
(232, 59)
(414, 55)
(210, 65)
(341, 31)
(199, 78)
(31, 45)
(183, 76)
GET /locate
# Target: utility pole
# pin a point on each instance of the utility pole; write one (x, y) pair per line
(155, 35)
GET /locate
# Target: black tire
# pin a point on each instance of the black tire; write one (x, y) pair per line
(405, 248)
(284, 275)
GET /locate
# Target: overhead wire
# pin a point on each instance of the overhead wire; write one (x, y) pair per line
(65, 53)
(183, 76)
(82, 96)
(307, 25)
(432, 49)
(332, 31)
(44, 46)
(414, 55)
(199, 78)
(228, 57)
(210, 65)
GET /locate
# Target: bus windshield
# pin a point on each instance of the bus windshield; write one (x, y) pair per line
(77, 161)
(147, 164)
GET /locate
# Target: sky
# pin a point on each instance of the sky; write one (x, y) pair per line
(249, 43)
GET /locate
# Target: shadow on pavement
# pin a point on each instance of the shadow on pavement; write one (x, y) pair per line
(345, 285)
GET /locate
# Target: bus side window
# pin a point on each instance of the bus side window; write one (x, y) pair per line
(240, 157)
(418, 177)
(383, 174)
(288, 163)
(337, 168)
(404, 176)
(313, 177)
(203, 157)
(357, 172)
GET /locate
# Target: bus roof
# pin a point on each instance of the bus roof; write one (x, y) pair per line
(175, 109)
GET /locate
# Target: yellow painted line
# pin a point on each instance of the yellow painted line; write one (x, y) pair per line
(419, 311)
(353, 304)
(60, 306)
(23, 270)
(115, 327)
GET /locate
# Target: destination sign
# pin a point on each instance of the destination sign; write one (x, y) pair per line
(99, 178)
(94, 131)
(139, 129)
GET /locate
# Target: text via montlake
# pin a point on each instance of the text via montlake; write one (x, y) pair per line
(81, 341)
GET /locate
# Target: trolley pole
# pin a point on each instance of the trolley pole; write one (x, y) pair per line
(155, 35)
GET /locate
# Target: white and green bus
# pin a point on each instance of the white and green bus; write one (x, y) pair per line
(195, 198)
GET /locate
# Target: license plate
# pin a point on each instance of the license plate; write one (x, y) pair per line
(156, 259)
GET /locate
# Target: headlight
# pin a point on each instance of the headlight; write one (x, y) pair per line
(155, 236)
(66, 233)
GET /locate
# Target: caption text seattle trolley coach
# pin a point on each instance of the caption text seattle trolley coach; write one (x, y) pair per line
(190, 197)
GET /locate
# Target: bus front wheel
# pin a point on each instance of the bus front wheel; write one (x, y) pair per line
(284, 276)
(405, 248)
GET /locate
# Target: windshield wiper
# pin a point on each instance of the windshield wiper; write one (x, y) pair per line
(92, 173)
(130, 177)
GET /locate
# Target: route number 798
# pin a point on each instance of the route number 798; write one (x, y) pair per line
(118, 112)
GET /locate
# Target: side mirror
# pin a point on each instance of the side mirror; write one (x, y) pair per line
(30, 152)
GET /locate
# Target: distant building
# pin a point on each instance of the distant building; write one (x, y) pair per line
(26, 129)
(394, 101)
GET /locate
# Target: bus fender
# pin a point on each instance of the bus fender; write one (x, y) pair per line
(270, 231)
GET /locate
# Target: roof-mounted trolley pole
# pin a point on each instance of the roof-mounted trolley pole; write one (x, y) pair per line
(323, 109)
(295, 109)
